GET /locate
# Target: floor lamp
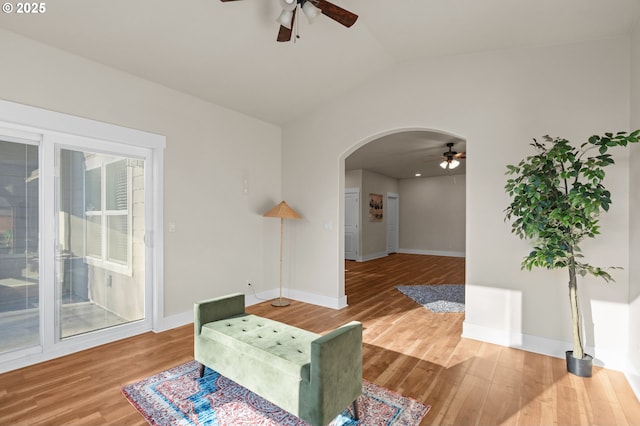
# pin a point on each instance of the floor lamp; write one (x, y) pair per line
(283, 211)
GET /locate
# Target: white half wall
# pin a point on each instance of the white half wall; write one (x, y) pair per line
(634, 214)
(496, 101)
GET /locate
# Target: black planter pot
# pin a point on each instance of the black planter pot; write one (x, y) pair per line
(577, 366)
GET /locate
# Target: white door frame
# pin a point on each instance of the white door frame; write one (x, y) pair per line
(393, 229)
(54, 129)
(349, 192)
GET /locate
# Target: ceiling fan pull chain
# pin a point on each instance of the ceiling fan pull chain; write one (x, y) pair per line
(297, 33)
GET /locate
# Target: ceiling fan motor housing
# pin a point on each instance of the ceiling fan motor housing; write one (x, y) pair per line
(311, 9)
(449, 154)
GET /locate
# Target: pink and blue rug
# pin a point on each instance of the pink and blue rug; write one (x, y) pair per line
(180, 397)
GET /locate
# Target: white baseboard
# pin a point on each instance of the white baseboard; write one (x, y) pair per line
(186, 317)
(263, 296)
(174, 321)
(34, 355)
(26, 357)
(315, 299)
(602, 357)
(380, 255)
(634, 382)
(633, 376)
(301, 296)
(372, 256)
(433, 252)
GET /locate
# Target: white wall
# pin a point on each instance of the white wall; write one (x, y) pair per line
(221, 238)
(634, 213)
(496, 101)
(432, 215)
(353, 179)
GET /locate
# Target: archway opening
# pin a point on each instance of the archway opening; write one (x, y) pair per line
(398, 197)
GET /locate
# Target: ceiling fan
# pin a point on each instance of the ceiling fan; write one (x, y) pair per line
(450, 158)
(311, 9)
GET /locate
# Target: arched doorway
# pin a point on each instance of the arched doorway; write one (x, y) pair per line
(403, 169)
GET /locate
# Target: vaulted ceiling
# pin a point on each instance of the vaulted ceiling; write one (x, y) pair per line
(227, 53)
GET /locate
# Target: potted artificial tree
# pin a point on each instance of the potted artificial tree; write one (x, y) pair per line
(557, 197)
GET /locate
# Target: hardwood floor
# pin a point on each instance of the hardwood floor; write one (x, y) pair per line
(406, 348)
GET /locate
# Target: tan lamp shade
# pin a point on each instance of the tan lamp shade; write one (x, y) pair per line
(283, 211)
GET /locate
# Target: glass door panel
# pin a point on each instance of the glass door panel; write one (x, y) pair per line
(19, 263)
(100, 252)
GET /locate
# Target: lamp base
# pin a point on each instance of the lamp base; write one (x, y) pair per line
(280, 302)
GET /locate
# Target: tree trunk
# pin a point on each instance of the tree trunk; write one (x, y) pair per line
(578, 350)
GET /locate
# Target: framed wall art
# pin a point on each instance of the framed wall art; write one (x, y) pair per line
(375, 208)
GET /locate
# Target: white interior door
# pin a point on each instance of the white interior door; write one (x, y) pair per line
(351, 223)
(392, 222)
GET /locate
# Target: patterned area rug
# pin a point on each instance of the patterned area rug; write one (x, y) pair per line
(180, 397)
(436, 298)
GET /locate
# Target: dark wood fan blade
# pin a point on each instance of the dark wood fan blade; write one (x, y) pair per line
(285, 33)
(227, 0)
(462, 155)
(336, 13)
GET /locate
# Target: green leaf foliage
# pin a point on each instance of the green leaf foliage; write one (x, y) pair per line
(557, 197)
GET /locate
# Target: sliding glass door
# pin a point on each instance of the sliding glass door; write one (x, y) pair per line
(99, 268)
(19, 251)
(80, 233)
(100, 251)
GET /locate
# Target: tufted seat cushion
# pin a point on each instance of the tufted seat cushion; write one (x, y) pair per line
(282, 346)
(312, 376)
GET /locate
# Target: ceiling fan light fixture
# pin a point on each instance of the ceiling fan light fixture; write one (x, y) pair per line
(450, 163)
(288, 4)
(310, 11)
(285, 18)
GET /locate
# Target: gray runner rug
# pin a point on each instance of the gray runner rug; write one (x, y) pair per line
(437, 298)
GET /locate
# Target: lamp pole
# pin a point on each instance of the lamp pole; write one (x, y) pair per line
(281, 302)
(282, 211)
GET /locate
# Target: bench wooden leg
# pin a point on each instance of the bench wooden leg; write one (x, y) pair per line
(201, 370)
(356, 416)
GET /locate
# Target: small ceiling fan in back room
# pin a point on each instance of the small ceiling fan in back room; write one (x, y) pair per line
(450, 158)
(311, 9)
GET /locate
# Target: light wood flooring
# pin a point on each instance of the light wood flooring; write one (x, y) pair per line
(406, 348)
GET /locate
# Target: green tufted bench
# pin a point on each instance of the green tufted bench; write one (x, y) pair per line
(313, 376)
